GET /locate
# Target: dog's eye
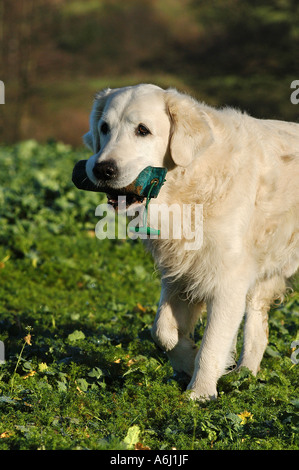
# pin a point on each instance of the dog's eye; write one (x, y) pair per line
(142, 130)
(104, 128)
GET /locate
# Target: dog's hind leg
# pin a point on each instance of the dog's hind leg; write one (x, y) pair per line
(173, 330)
(256, 321)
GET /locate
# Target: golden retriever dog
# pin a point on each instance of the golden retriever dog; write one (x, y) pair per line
(245, 174)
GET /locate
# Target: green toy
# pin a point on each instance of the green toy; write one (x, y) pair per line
(147, 184)
(145, 229)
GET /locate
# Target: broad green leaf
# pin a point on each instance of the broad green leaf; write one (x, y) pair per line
(76, 335)
(132, 436)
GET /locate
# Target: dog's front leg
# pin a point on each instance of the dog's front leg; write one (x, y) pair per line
(225, 312)
(173, 330)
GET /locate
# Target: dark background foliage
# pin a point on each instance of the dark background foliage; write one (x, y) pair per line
(55, 54)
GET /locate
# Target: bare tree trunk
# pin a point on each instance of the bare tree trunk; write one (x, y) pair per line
(21, 24)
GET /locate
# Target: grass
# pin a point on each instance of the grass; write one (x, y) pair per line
(81, 370)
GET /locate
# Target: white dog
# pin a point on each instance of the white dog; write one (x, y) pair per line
(245, 173)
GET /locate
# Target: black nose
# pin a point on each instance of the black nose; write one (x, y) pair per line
(105, 170)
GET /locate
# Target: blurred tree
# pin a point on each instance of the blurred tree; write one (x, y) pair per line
(247, 36)
(117, 37)
(221, 44)
(25, 31)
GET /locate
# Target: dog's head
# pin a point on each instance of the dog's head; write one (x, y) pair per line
(139, 126)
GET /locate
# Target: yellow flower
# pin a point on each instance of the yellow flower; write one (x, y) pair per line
(27, 339)
(245, 417)
(30, 374)
(141, 307)
(42, 367)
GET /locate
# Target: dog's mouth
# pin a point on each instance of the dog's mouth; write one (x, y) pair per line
(121, 202)
(145, 186)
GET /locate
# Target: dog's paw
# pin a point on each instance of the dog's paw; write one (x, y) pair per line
(182, 356)
(202, 394)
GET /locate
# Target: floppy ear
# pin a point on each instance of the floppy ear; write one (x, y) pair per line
(91, 139)
(190, 132)
(88, 141)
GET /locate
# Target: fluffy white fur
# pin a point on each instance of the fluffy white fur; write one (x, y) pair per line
(245, 172)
